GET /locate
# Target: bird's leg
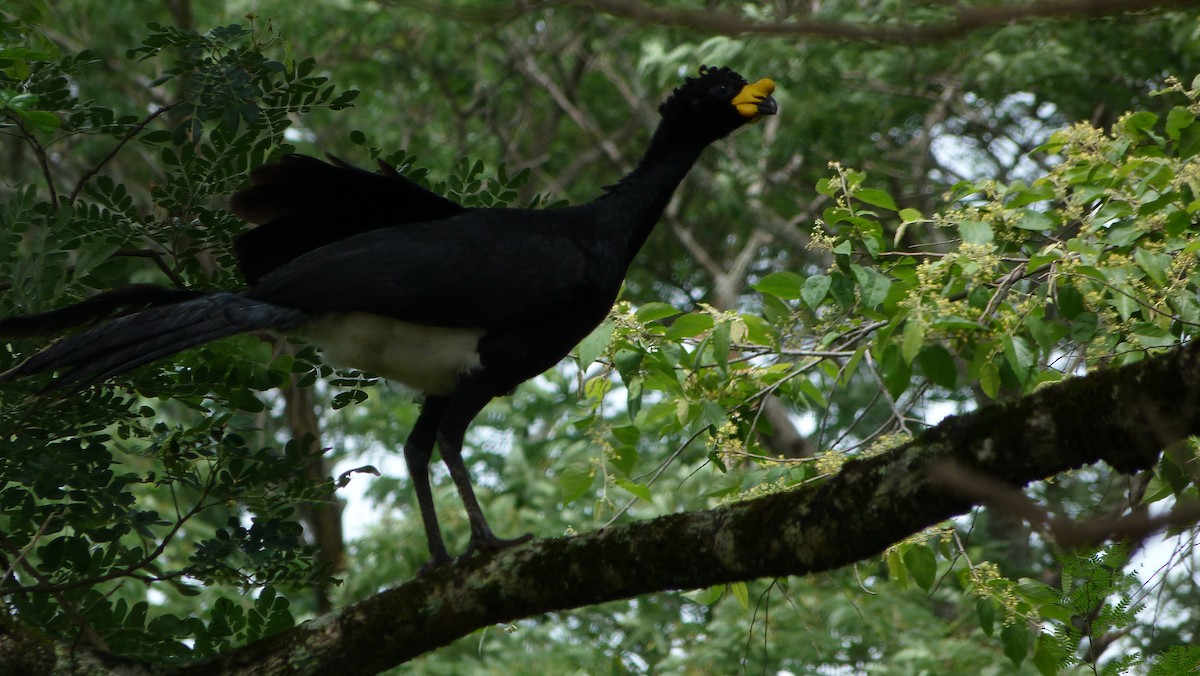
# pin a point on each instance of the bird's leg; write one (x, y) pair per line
(482, 537)
(450, 439)
(417, 451)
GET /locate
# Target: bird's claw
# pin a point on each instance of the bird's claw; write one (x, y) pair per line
(435, 561)
(486, 543)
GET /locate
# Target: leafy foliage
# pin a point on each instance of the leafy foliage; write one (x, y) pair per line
(107, 488)
(158, 516)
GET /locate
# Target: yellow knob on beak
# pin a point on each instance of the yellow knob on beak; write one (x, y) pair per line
(755, 100)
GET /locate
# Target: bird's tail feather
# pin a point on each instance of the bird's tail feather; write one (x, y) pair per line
(111, 303)
(127, 342)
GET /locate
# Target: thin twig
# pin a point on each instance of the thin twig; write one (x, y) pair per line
(39, 151)
(158, 260)
(120, 144)
(662, 467)
(32, 542)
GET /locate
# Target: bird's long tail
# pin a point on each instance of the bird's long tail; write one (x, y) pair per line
(170, 325)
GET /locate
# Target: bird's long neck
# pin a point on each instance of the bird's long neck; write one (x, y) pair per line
(637, 201)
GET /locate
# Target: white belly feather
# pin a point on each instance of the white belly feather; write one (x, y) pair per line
(425, 358)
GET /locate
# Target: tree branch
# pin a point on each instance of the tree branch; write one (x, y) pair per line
(872, 503)
(960, 22)
(854, 515)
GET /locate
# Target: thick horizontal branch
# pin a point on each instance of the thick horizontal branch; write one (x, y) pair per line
(962, 20)
(1120, 416)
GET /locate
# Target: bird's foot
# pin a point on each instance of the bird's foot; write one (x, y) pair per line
(431, 565)
(487, 542)
(437, 559)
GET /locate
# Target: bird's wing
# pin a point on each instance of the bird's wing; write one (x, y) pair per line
(490, 268)
(303, 204)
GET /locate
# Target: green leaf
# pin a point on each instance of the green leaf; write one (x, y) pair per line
(598, 387)
(169, 625)
(689, 325)
(654, 311)
(873, 284)
(783, 284)
(1042, 331)
(625, 458)
(640, 491)
(157, 136)
(985, 610)
(1177, 119)
(896, 238)
(741, 593)
(1015, 639)
(628, 363)
(22, 102)
(706, 597)
(1043, 257)
(937, 364)
(1084, 326)
(1152, 335)
(1173, 475)
(896, 568)
(922, 565)
(1155, 264)
(43, 120)
(627, 434)
(876, 198)
(595, 344)
(989, 378)
(1020, 357)
(633, 397)
(841, 288)
(896, 372)
(1178, 659)
(761, 332)
(851, 366)
(951, 323)
(975, 232)
(1021, 195)
(720, 340)
(1070, 301)
(575, 481)
(1035, 220)
(1049, 655)
(815, 288)
(1140, 122)
(910, 215)
(1124, 299)
(1054, 611)
(913, 339)
(92, 256)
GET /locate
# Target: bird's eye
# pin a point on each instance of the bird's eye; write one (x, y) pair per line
(723, 90)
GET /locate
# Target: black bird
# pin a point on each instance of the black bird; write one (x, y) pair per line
(385, 276)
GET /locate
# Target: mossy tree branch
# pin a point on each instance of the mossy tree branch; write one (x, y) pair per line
(1122, 416)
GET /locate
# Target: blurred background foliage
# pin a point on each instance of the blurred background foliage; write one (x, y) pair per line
(993, 220)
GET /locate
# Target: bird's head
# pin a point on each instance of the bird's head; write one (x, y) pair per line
(718, 101)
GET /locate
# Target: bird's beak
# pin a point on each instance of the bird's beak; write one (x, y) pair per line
(755, 100)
